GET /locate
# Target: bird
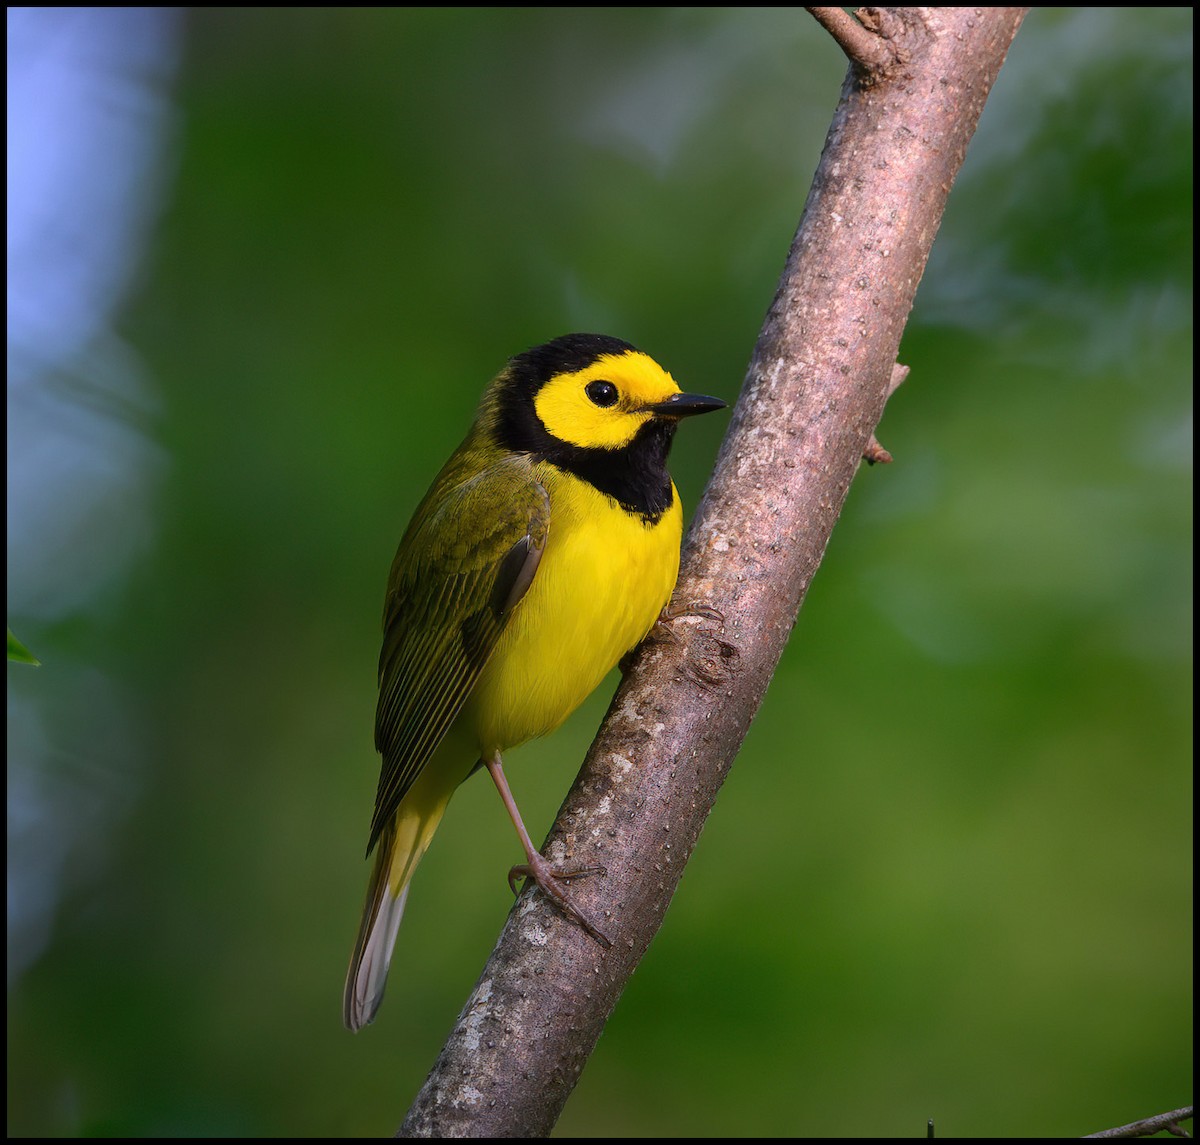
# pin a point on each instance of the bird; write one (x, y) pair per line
(543, 552)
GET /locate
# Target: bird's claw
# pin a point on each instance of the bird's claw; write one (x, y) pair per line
(525, 871)
(674, 610)
(548, 879)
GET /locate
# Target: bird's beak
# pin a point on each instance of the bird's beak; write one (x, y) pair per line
(684, 405)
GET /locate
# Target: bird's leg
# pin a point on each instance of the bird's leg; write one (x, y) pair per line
(544, 873)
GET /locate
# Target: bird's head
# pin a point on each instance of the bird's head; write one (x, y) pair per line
(590, 392)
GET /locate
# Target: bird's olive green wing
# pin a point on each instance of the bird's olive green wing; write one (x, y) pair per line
(468, 557)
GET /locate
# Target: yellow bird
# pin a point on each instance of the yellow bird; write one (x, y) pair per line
(543, 552)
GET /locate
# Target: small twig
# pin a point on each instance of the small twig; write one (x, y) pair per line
(864, 49)
(874, 452)
(1148, 1126)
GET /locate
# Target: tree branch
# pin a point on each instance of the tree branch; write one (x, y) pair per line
(814, 391)
(864, 47)
(1148, 1126)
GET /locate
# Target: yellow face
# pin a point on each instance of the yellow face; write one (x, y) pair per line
(604, 405)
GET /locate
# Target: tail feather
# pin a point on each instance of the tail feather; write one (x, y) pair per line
(397, 853)
(377, 932)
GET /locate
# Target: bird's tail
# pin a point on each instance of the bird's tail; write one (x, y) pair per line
(397, 853)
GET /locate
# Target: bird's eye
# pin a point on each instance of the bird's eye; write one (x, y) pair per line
(603, 394)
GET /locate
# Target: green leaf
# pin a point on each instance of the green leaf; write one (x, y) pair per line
(18, 652)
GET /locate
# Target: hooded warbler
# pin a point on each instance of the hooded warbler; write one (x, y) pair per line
(543, 552)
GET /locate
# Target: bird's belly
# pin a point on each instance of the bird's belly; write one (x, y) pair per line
(601, 584)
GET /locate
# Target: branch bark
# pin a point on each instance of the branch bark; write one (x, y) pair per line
(814, 391)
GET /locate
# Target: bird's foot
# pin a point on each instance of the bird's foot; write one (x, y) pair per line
(681, 610)
(661, 629)
(675, 610)
(550, 879)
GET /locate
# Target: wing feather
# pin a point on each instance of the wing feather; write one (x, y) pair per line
(468, 557)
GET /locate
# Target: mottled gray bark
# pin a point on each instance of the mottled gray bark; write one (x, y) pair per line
(815, 389)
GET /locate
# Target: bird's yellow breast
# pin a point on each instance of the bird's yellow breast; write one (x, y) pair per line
(603, 579)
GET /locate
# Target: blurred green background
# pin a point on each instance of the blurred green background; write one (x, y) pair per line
(261, 264)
